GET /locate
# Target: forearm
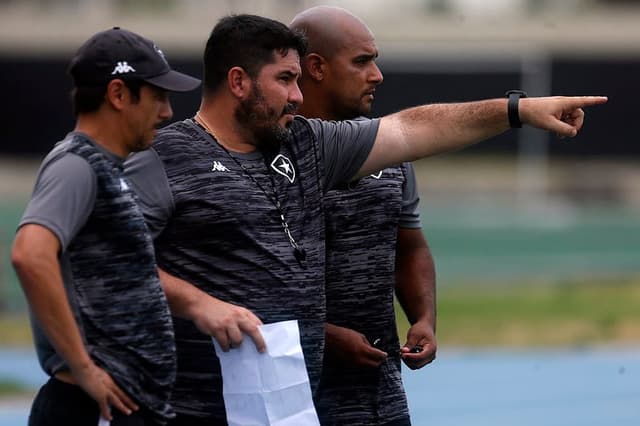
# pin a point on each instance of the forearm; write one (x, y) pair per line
(332, 334)
(432, 129)
(182, 296)
(39, 273)
(416, 282)
(223, 321)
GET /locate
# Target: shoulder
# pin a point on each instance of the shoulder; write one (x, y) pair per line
(301, 125)
(63, 164)
(179, 132)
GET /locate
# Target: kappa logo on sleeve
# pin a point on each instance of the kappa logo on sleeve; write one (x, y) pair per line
(284, 166)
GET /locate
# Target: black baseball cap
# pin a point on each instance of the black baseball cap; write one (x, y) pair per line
(118, 53)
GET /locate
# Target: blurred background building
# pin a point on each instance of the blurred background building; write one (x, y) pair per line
(523, 205)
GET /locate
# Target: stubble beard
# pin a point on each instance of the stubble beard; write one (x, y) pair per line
(262, 121)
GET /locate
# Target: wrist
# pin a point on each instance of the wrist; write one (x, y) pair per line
(513, 107)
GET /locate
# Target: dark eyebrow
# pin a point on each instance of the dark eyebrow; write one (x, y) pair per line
(289, 74)
(366, 57)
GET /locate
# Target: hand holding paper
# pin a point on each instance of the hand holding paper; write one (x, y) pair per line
(270, 388)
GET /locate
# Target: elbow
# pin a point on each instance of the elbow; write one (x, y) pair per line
(20, 257)
(25, 254)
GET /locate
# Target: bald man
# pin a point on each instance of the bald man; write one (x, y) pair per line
(373, 241)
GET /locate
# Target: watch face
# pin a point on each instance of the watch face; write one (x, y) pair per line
(521, 93)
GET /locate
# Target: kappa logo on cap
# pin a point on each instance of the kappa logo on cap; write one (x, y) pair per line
(284, 166)
(161, 53)
(123, 68)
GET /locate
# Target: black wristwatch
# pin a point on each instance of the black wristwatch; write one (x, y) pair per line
(512, 107)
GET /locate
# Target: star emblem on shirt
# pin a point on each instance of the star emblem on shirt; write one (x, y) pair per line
(282, 165)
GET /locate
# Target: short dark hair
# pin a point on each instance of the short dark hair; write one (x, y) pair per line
(86, 99)
(246, 41)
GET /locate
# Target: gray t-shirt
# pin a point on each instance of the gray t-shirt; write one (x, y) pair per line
(216, 224)
(362, 224)
(109, 271)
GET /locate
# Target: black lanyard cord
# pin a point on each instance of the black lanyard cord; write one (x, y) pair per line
(299, 252)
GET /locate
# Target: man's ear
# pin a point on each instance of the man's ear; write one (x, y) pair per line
(315, 66)
(117, 94)
(239, 82)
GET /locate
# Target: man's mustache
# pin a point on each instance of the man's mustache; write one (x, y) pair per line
(290, 108)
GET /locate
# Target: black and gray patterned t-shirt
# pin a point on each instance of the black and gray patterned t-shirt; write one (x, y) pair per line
(362, 222)
(218, 228)
(109, 270)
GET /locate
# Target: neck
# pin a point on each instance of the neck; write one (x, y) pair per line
(224, 129)
(316, 105)
(103, 133)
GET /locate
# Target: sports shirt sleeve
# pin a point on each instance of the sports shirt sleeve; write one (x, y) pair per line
(145, 172)
(410, 213)
(344, 147)
(63, 197)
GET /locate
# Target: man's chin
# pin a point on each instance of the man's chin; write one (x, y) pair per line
(286, 120)
(272, 137)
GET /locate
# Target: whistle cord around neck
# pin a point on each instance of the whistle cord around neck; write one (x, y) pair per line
(299, 252)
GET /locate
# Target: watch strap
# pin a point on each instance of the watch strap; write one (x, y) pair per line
(513, 110)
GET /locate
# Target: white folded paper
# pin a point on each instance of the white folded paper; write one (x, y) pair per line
(271, 388)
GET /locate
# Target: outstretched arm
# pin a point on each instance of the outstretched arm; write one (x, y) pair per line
(223, 321)
(35, 259)
(432, 129)
(416, 292)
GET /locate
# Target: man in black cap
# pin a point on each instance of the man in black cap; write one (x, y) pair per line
(101, 322)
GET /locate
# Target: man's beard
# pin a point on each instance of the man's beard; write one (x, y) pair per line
(262, 120)
(141, 144)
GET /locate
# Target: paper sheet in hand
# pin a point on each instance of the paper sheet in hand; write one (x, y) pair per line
(271, 388)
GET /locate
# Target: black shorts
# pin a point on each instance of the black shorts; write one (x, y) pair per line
(58, 403)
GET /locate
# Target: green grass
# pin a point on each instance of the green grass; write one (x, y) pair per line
(15, 330)
(10, 388)
(532, 314)
(573, 313)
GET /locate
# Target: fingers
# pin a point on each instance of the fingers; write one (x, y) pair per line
(374, 357)
(116, 398)
(572, 115)
(235, 334)
(114, 402)
(560, 114)
(123, 399)
(231, 334)
(575, 119)
(585, 101)
(420, 348)
(416, 360)
(254, 333)
(228, 323)
(564, 130)
(105, 409)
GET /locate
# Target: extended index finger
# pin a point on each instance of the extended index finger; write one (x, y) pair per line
(584, 101)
